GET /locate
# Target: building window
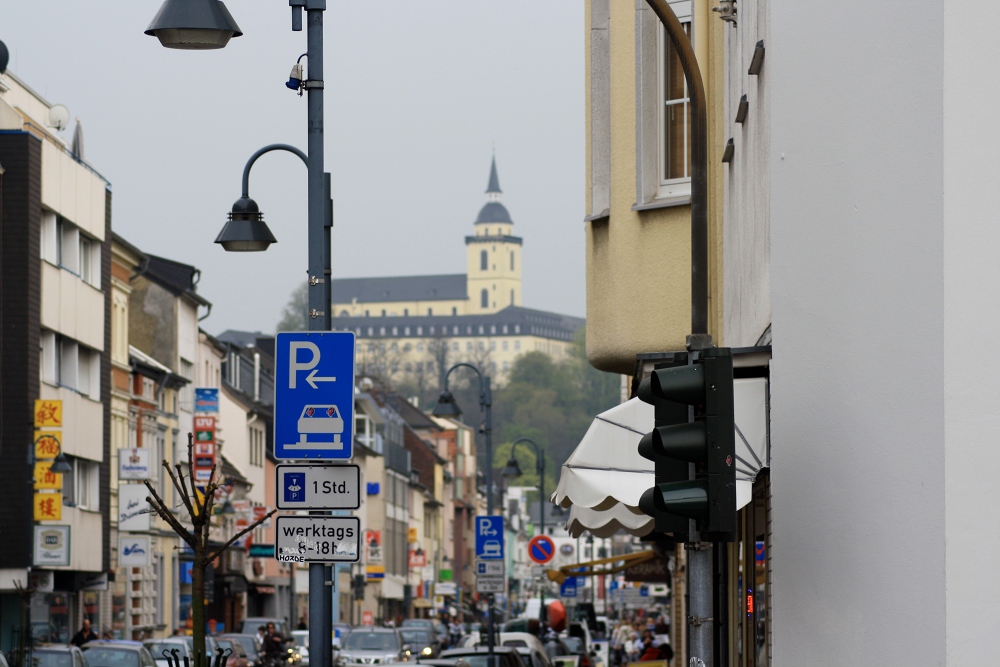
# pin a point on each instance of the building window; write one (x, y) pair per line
(68, 245)
(420, 347)
(468, 346)
(90, 261)
(49, 244)
(80, 485)
(187, 392)
(454, 310)
(512, 263)
(483, 261)
(674, 121)
(600, 107)
(430, 311)
(484, 299)
(512, 297)
(406, 312)
(517, 345)
(505, 346)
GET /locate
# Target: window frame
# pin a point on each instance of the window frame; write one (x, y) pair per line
(671, 187)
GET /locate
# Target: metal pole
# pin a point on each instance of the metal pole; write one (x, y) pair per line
(543, 613)
(320, 602)
(700, 605)
(487, 401)
(699, 164)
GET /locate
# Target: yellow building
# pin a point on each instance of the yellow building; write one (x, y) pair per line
(415, 327)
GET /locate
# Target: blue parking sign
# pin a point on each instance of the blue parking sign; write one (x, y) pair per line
(489, 537)
(568, 588)
(314, 395)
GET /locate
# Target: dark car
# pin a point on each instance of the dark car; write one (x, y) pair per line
(422, 641)
(117, 653)
(478, 656)
(251, 646)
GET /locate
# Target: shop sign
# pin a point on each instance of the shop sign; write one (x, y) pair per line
(133, 550)
(91, 581)
(367, 618)
(133, 509)
(206, 400)
(259, 513)
(48, 506)
(241, 506)
(41, 581)
(373, 546)
(417, 559)
(48, 413)
(48, 444)
(51, 546)
(45, 478)
(134, 464)
(411, 536)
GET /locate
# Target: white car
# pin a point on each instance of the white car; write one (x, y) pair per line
(157, 646)
(302, 645)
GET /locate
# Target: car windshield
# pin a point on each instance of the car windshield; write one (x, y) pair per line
(301, 637)
(416, 637)
(371, 641)
(417, 623)
(157, 649)
(100, 656)
(575, 644)
(248, 644)
(482, 659)
(51, 658)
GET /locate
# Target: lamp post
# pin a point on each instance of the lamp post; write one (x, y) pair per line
(207, 24)
(447, 407)
(513, 470)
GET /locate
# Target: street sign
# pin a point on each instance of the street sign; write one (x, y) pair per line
(495, 568)
(489, 537)
(314, 395)
(541, 549)
(317, 539)
(486, 584)
(318, 486)
(568, 588)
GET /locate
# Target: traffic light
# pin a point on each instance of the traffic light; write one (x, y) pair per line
(706, 439)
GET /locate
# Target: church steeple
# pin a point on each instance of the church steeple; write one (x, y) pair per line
(493, 190)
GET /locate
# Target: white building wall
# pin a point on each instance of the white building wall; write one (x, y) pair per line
(971, 318)
(861, 574)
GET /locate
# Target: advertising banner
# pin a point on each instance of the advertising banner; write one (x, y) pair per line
(51, 546)
(133, 510)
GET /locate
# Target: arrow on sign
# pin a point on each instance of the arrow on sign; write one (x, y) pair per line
(312, 379)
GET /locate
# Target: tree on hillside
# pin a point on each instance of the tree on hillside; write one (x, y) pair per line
(295, 316)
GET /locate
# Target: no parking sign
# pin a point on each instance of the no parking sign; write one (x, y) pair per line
(541, 549)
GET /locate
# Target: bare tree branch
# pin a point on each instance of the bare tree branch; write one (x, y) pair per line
(241, 534)
(178, 482)
(167, 515)
(194, 493)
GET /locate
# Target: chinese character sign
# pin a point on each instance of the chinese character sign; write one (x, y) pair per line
(48, 507)
(45, 478)
(48, 444)
(48, 413)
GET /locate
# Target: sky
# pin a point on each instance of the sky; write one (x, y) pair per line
(418, 96)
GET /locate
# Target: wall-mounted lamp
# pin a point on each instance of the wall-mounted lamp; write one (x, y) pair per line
(758, 59)
(742, 109)
(727, 154)
(727, 11)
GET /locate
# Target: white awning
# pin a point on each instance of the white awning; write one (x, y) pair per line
(605, 476)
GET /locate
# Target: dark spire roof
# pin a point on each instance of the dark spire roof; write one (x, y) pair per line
(493, 211)
(494, 185)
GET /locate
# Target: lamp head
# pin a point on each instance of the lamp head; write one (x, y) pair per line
(446, 406)
(512, 469)
(246, 230)
(193, 25)
(295, 77)
(61, 465)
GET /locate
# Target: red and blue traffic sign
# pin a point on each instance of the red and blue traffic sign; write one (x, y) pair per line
(541, 549)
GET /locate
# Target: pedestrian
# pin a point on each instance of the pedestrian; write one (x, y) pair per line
(84, 635)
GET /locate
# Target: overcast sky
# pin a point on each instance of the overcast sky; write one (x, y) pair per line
(417, 95)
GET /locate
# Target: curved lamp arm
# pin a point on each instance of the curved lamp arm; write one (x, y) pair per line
(479, 374)
(268, 149)
(539, 454)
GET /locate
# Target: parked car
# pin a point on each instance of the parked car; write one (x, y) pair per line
(478, 656)
(237, 656)
(157, 648)
(117, 653)
(251, 646)
(422, 641)
(302, 646)
(57, 655)
(372, 646)
(211, 646)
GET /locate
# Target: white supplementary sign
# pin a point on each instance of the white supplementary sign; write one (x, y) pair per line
(486, 584)
(133, 550)
(491, 568)
(133, 510)
(317, 539)
(134, 464)
(318, 486)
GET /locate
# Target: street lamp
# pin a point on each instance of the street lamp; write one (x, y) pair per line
(207, 24)
(61, 465)
(193, 24)
(513, 470)
(447, 407)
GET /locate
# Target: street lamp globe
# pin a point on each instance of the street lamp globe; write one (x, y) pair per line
(193, 24)
(245, 231)
(61, 465)
(446, 406)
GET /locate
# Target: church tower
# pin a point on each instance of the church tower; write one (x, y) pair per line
(494, 255)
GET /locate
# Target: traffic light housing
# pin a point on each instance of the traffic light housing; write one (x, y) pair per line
(706, 438)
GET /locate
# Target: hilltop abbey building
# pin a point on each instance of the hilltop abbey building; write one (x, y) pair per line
(417, 325)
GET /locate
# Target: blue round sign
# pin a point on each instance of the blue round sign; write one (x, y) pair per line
(541, 549)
